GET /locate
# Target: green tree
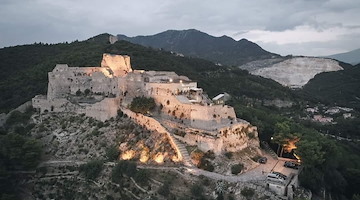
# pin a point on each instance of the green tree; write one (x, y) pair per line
(285, 137)
(312, 178)
(142, 105)
(310, 152)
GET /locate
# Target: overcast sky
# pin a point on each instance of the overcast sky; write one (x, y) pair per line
(298, 27)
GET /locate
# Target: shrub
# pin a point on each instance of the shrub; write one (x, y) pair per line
(231, 197)
(210, 154)
(92, 169)
(248, 192)
(112, 153)
(120, 113)
(100, 124)
(251, 135)
(164, 190)
(95, 132)
(206, 165)
(197, 190)
(123, 167)
(229, 155)
(87, 92)
(237, 168)
(142, 176)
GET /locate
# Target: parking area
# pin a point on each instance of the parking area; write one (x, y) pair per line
(279, 167)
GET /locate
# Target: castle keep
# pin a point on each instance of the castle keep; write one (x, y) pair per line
(100, 92)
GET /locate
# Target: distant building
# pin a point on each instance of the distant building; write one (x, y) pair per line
(221, 98)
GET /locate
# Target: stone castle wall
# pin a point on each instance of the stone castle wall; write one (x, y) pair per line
(231, 139)
(114, 84)
(103, 110)
(198, 116)
(210, 117)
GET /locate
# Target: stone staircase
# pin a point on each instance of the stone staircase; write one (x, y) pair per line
(183, 151)
(267, 148)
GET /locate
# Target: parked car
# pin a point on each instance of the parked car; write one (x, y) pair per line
(281, 175)
(292, 165)
(276, 177)
(262, 160)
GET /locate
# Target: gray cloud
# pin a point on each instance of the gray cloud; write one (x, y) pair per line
(67, 20)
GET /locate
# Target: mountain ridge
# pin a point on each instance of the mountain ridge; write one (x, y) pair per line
(194, 43)
(351, 57)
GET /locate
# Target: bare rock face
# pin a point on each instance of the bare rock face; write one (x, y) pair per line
(119, 65)
(294, 72)
(112, 39)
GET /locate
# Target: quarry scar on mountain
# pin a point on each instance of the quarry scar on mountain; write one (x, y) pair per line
(99, 92)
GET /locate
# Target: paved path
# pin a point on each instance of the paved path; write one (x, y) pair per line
(257, 174)
(61, 162)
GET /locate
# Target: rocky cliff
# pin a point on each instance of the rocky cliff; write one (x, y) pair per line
(292, 72)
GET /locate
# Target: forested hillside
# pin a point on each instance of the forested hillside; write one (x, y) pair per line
(340, 87)
(24, 69)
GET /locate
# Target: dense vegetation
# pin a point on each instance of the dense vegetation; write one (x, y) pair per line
(18, 152)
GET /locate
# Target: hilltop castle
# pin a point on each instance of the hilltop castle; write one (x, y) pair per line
(100, 92)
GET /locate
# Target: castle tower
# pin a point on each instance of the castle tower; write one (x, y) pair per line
(118, 64)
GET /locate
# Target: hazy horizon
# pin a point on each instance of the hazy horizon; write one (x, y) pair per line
(299, 27)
